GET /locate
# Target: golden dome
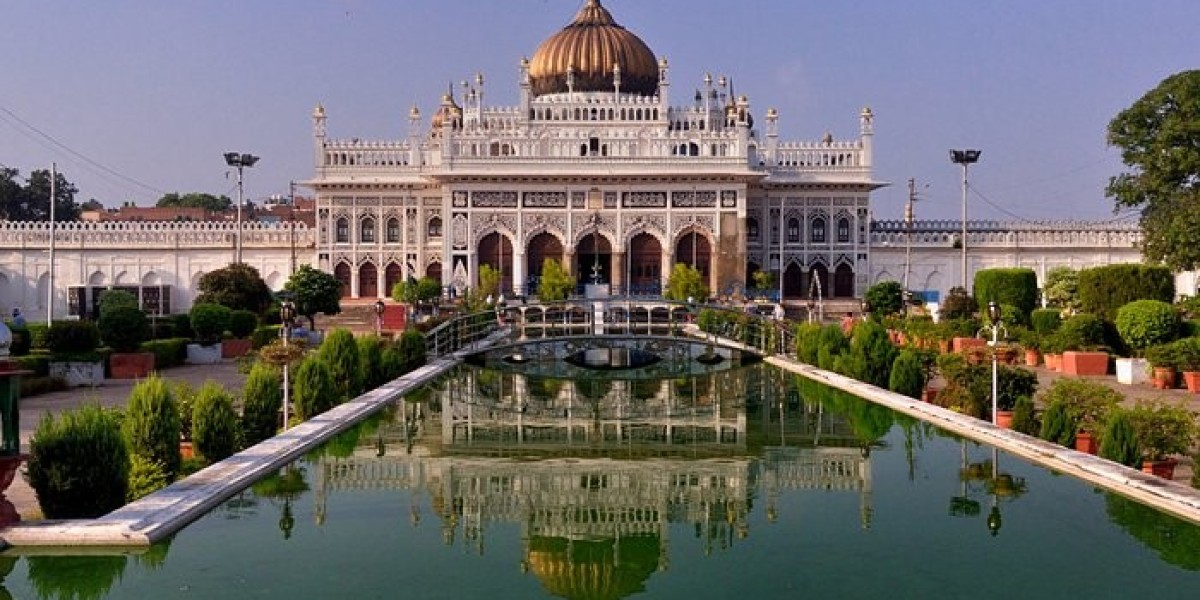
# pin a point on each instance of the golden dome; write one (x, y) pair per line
(448, 113)
(590, 47)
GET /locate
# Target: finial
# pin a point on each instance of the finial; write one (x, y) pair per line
(414, 113)
(479, 79)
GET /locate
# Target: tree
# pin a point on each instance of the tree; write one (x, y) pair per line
(1062, 288)
(415, 291)
(555, 284)
(314, 292)
(885, 298)
(1160, 143)
(92, 204)
(238, 286)
(31, 201)
(195, 200)
(685, 282)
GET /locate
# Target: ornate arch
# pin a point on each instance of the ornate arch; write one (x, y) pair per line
(504, 225)
(640, 224)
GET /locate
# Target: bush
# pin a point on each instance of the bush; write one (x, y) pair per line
(33, 386)
(237, 286)
(871, 355)
(22, 340)
(167, 353)
(314, 390)
(242, 323)
(831, 344)
(1025, 417)
(78, 464)
(209, 322)
(908, 375)
(885, 298)
(262, 397)
(151, 426)
(1016, 287)
(181, 326)
(340, 353)
(1144, 323)
(412, 350)
(1087, 403)
(1119, 441)
(1081, 332)
(73, 337)
(392, 362)
(145, 477)
(263, 335)
(214, 423)
(1162, 429)
(38, 363)
(114, 299)
(370, 358)
(1058, 425)
(808, 340)
(124, 328)
(1045, 320)
(1103, 290)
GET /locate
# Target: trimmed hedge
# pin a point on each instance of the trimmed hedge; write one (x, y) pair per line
(151, 425)
(262, 395)
(124, 328)
(73, 337)
(242, 323)
(339, 352)
(209, 321)
(1012, 287)
(214, 423)
(1081, 332)
(1046, 320)
(1104, 290)
(170, 352)
(263, 335)
(79, 464)
(1145, 323)
(38, 363)
(314, 389)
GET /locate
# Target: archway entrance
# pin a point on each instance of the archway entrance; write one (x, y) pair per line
(341, 272)
(843, 281)
(542, 246)
(645, 264)
(793, 282)
(434, 272)
(692, 249)
(392, 275)
(496, 251)
(368, 280)
(593, 260)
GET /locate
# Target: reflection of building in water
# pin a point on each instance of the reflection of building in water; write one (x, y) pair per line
(591, 525)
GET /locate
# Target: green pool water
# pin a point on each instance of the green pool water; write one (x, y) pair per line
(740, 483)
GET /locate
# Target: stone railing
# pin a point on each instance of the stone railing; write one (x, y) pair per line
(127, 234)
(1079, 234)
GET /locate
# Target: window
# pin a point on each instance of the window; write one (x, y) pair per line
(843, 230)
(342, 231)
(793, 230)
(818, 230)
(366, 233)
(393, 230)
(752, 228)
(435, 227)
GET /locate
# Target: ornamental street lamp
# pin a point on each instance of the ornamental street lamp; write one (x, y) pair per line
(287, 318)
(239, 161)
(996, 326)
(379, 308)
(964, 158)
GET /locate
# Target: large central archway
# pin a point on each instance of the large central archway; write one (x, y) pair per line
(541, 247)
(645, 264)
(496, 250)
(593, 259)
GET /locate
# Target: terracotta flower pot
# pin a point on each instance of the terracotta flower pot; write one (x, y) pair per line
(131, 365)
(1086, 442)
(1164, 378)
(1160, 468)
(1053, 362)
(929, 394)
(1084, 363)
(1004, 419)
(1032, 357)
(1192, 380)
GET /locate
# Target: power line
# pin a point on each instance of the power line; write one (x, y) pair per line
(78, 155)
(1009, 213)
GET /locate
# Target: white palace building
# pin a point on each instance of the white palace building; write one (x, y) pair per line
(599, 165)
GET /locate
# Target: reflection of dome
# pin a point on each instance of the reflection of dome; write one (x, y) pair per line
(589, 47)
(604, 568)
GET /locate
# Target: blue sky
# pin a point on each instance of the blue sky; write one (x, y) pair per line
(156, 91)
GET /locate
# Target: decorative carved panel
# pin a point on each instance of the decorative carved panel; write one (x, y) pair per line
(644, 200)
(494, 199)
(692, 199)
(545, 200)
(458, 231)
(729, 198)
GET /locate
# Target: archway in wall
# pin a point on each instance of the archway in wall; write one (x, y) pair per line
(693, 249)
(593, 260)
(368, 280)
(819, 272)
(645, 263)
(843, 281)
(342, 273)
(434, 272)
(793, 282)
(542, 246)
(392, 275)
(496, 250)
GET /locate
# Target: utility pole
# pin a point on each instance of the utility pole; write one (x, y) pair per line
(50, 283)
(292, 218)
(908, 223)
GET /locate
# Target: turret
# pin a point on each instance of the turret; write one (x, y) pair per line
(318, 117)
(526, 90)
(414, 136)
(866, 129)
(772, 136)
(664, 87)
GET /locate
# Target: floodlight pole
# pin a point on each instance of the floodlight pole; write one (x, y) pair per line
(964, 158)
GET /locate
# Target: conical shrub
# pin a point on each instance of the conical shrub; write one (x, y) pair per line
(151, 425)
(314, 390)
(78, 464)
(214, 423)
(340, 353)
(262, 396)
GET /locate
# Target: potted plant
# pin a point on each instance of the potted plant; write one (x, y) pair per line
(124, 328)
(1030, 342)
(1087, 405)
(1162, 363)
(73, 355)
(1187, 358)
(242, 323)
(208, 322)
(1163, 430)
(1051, 345)
(1084, 353)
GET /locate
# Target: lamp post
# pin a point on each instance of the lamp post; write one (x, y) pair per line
(995, 325)
(379, 308)
(865, 307)
(812, 305)
(964, 158)
(287, 316)
(240, 161)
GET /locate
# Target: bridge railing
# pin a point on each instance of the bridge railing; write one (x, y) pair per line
(461, 332)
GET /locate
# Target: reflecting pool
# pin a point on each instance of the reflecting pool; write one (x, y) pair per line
(738, 481)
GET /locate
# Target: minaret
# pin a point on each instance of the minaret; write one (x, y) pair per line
(772, 137)
(414, 136)
(616, 82)
(664, 88)
(866, 129)
(318, 117)
(526, 90)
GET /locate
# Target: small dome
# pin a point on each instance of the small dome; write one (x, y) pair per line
(589, 48)
(448, 113)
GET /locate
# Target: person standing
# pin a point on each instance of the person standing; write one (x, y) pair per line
(848, 323)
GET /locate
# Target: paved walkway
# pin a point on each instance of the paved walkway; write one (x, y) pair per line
(114, 392)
